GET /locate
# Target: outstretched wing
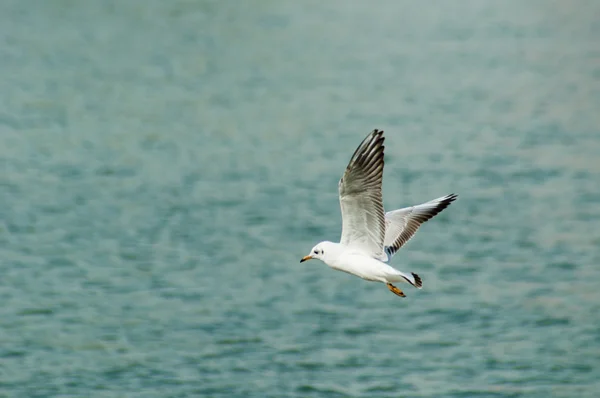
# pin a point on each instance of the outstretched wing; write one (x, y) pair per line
(363, 218)
(402, 224)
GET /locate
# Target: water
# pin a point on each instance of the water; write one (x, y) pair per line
(165, 165)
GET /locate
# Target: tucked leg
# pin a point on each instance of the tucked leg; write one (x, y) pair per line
(395, 290)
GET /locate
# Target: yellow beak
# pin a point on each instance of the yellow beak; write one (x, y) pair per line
(306, 258)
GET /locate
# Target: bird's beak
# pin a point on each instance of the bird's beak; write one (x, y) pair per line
(306, 258)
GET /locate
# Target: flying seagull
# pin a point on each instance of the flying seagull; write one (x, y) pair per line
(371, 237)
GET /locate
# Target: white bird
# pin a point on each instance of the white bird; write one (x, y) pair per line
(371, 237)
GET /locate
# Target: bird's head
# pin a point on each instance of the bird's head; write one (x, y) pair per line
(320, 251)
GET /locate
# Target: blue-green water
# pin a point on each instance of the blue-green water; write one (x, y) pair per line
(165, 165)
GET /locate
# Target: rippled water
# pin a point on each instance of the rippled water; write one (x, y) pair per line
(164, 166)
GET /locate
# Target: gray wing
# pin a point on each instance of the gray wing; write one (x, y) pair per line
(402, 224)
(363, 218)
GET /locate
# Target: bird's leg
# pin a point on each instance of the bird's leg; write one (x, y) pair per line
(395, 290)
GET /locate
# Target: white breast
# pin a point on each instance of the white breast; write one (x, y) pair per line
(363, 266)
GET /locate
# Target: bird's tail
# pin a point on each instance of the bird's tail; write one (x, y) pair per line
(413, 279)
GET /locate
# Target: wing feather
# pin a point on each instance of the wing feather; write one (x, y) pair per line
(363, 217)
(402, 224)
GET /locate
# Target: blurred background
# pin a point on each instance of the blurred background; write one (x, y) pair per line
(165, 165)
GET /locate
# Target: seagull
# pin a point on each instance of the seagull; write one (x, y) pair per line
(371, 237)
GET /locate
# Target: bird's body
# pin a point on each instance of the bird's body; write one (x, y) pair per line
(360, 264)
(370, 237)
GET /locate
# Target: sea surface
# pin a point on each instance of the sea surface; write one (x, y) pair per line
(164, 165)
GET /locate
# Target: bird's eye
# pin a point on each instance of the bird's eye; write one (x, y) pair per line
(316, 252)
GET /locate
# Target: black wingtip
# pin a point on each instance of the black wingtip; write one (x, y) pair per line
(418, 281)
(449, 199)
(444, 203)
(375, 137)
